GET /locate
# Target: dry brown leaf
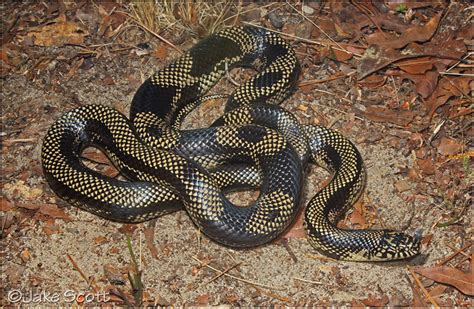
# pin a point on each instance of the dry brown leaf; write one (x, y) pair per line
(414, 33)
(96, 156)
(441, 46)
(402, 185)
(449, 146)
(382, 114)
(425, 84)
(100, 240)
(418, 301)
(427, 166)
(57, 34)
(107, 81)
(115, 274)
(25, 255)
(5, 205)
(374, 301)
(303, 107)
(297, 229)
(127, 228)
(53, 211)
(50, 228)
(104, 25)
(357, 218)
(160, 53)
(412, 4)
(29, 206)
(373, 81)
(437, 291)
(203, 299)
(327, 25)
(339, 55)
(416, 66)
(356, 303)
(377, 57)
(6, 222)
(74, 68)
(448, 88)
(150, 239)
(463, 281)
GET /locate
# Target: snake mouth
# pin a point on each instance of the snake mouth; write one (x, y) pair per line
(396, 245)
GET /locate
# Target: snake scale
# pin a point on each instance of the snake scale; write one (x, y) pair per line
(255, 144)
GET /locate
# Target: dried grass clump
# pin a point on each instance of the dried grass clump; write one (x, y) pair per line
(201, 17)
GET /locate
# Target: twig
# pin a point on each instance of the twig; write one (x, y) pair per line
(457, 63)
(396, 90)
(460, 251)
(223, 272)
(341, 111)
(238, 278)
(464, 259)
(322, 81)
(456, 74)
(285, 244)
(76, 267)
(249, 10)
(450, 257)
(320, 257)
(333, 94)
(320, 29)
(306, 280)
(9, 142)
(273, 295)
(325, 44)
(364, 11)
(420, 285)
(122, 295)
(141, 25)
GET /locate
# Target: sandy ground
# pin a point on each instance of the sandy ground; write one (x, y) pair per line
(175, 276)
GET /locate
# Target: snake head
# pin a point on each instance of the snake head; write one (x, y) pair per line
(396, 245)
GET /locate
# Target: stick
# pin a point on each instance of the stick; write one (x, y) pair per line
(320, 29)
(299, 38)
(76, 267)
(450, 257)
(152, 32)
(223, 272)
(321, 81)
(306, 280)
(238, 278)
(273, 295)
(420, 285)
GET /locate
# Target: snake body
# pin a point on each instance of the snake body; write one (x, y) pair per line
(256, 143)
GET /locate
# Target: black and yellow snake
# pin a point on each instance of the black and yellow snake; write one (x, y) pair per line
(255, 143)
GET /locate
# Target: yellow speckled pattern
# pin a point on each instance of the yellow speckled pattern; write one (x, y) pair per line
(255, 144)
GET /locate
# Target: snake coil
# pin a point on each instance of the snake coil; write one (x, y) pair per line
(256, 143)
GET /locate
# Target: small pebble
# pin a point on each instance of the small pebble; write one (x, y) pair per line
(302, 107)
(308, 10)
(402, 185)
(275, 20)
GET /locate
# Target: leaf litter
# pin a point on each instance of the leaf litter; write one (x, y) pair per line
(403, 68)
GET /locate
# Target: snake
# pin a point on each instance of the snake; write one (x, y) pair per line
(256, 143)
